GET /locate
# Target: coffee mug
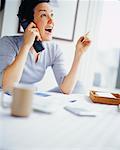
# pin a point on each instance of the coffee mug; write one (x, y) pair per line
(22, 100)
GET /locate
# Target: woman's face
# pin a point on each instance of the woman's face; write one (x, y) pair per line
(43, 18)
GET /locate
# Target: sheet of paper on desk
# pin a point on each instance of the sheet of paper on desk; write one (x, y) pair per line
(104, 94)
(47, 104)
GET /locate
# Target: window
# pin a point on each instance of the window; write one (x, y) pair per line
(108, 45)
(106, 53)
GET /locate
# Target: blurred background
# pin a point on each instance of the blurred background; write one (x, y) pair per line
(100, 65)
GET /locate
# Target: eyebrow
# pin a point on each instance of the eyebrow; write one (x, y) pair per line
(44, 10)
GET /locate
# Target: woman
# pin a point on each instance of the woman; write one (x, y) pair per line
(21, 63)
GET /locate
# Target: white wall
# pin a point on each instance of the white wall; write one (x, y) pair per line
(10, 20)
(1, 20)
(10, 26)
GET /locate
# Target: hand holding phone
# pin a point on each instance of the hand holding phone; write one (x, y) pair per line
(37, 44)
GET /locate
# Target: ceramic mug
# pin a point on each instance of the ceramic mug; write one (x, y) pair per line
(22, 100)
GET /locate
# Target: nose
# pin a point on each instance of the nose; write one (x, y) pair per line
(50, 20)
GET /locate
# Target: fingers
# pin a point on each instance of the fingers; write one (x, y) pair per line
(85, 36)
(85, 40)
(86, 43)
(31, 25)
(83, 43)
(81, 38)
(34, 30)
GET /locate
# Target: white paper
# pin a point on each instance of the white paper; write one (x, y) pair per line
(104, 94)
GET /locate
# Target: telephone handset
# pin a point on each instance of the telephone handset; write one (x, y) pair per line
(37, 44)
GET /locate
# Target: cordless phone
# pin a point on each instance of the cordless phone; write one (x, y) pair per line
(38, 46)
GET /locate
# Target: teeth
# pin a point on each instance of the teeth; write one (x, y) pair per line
(49, 30)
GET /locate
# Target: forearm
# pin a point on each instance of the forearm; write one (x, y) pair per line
(70, 80)
(14, 71)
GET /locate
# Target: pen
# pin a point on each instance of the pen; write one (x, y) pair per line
(83, 37)
(72, 101)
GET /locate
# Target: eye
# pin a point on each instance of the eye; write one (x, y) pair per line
(43, 15)
(52, 15)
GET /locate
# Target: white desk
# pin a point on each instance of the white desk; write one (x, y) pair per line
(62, 130)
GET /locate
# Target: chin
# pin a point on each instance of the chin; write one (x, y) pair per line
(47, 39)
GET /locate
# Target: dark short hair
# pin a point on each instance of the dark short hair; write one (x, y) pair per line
(26, 9)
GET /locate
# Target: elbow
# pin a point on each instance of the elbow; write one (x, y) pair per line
(6, 85)
(7, 88)
(5, 82)
(65, 90)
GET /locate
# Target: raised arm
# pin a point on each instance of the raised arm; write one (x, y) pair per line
(14, 71)
(70, 80)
